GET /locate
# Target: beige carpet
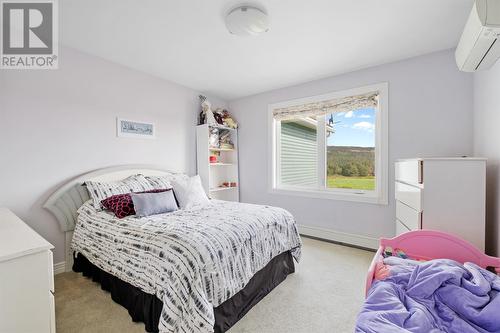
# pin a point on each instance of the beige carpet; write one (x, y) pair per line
(324, 295)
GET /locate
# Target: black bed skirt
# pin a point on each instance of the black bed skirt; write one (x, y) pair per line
(144, 307)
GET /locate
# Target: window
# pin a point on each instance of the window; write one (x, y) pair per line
(332, 146)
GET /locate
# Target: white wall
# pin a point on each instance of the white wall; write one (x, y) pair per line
(430, 114)
(487, 144)
(55, 125)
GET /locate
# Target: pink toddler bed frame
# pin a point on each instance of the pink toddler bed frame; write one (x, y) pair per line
(431, 244)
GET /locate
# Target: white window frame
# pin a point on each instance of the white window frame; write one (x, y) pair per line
(379, 195)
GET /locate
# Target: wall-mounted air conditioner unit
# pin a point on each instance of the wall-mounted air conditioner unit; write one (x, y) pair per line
(479, 46)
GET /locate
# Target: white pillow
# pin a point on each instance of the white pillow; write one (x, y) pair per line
(189, 192)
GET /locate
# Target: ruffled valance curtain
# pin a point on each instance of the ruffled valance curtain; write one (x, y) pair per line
(316, 109)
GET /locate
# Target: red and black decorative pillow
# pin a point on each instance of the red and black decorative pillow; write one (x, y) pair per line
(122, 204)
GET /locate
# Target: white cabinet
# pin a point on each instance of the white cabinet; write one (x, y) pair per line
(446, 194)
(26, 278)
(218, 164)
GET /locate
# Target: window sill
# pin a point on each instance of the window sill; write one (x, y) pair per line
(371, 198)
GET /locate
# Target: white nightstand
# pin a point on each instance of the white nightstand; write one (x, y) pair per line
(26, 278)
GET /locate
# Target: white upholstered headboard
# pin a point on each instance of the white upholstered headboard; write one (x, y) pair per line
(64, 202)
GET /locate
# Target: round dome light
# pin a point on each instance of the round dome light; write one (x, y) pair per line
(247, 21)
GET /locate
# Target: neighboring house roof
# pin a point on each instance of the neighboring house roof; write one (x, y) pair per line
(311, 123)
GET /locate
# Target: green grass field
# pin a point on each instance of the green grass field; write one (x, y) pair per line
(357, 183)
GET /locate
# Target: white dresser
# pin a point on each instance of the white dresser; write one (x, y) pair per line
(446, 194)
(26, 278)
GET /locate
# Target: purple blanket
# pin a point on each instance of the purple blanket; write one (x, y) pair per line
(434, 296)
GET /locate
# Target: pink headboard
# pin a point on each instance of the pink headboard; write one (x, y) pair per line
(432, 244)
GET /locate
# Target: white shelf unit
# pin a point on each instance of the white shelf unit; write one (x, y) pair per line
(213, 175)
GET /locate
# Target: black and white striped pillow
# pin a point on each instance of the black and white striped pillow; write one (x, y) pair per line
(99, 191)
(164, 182)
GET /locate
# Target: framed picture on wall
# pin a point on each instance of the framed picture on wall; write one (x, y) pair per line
(126, 128)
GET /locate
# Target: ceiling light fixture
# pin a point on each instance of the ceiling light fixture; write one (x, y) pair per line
(247, 21)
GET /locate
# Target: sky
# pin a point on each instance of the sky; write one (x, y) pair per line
(354, 128)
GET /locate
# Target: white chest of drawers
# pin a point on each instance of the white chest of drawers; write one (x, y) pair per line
(446, 194)
(26, 278)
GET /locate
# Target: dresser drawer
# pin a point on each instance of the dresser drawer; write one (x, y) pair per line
(401, 228)
(409, 195)
(410, 171)
(409, 216)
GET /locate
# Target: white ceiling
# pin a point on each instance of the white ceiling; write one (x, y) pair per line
(186, 41)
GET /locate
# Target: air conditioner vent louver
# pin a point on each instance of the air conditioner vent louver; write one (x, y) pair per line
(487, 52)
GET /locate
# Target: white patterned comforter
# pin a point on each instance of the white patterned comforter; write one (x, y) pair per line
(193, 260)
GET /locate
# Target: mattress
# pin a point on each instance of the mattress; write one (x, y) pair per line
(193, 260)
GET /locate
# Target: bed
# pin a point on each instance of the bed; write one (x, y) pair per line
(195, 270)
(431, 281)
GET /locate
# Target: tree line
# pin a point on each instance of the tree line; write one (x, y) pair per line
(351, 161)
